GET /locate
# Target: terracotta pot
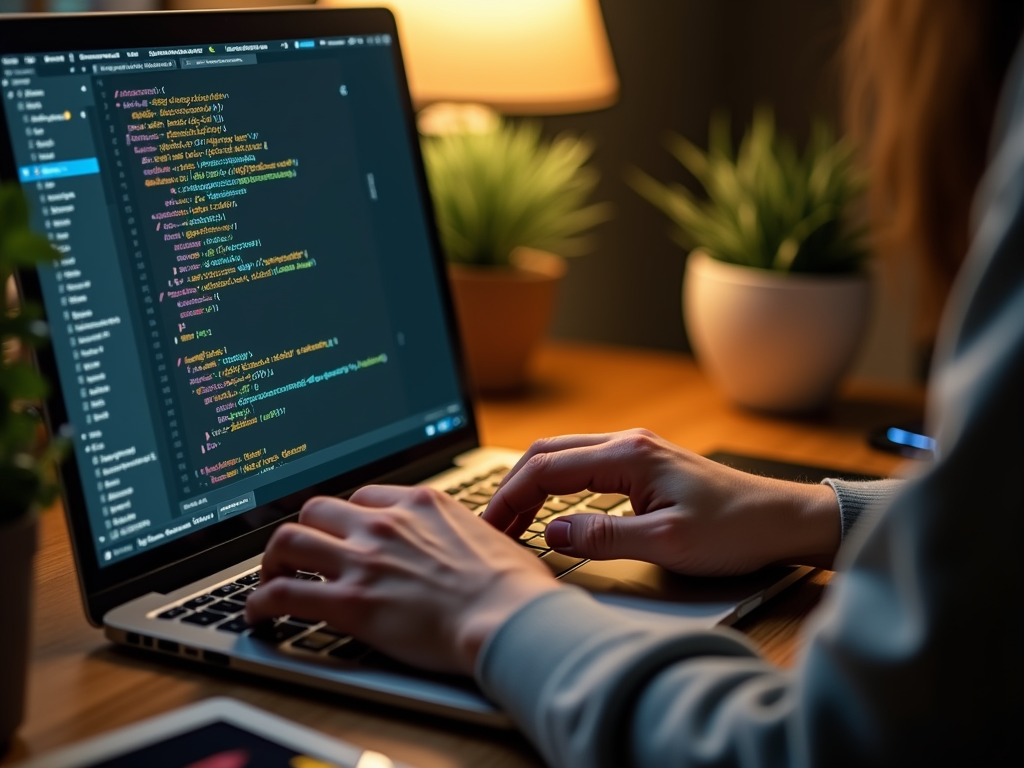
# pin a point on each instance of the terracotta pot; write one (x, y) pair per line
(773, 341)
(17, 549)
(503, 314)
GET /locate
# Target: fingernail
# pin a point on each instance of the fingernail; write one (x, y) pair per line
(557, 534)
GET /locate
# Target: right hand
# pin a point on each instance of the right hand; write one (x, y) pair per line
(693, 515)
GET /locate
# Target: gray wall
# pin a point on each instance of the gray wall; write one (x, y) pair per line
(677, 61)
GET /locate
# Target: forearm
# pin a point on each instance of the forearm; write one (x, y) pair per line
(572, 674)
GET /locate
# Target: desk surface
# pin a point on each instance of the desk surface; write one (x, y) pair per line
(79, 685)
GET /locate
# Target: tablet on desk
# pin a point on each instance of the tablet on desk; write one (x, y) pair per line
(216, 733)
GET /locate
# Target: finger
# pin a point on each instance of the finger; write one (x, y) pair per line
(381, 495)
(554, 444)
(327, 514)
(308, 599)
(602, 467)
(601, 537)
(301, 548)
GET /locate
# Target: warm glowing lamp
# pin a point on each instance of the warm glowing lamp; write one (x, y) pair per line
(522, 57)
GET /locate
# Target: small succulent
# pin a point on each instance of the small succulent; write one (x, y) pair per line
(501, 186)
(26, 476)
(767, 206)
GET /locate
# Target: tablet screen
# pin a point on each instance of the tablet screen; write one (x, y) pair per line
(217, 745)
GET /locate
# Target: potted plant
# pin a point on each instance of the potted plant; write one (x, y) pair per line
(510, 205)
(26, 482)
(775, 295)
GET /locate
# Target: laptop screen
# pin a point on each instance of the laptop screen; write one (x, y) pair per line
(246, 301)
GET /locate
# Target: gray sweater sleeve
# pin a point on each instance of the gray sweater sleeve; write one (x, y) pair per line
(910, 660)
(861, 501)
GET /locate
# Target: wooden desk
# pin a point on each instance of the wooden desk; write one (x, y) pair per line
(79, 685)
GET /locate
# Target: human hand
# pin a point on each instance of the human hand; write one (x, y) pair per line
(410, 571)
(693, 515)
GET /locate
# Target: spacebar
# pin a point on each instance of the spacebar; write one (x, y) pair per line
(559, 563)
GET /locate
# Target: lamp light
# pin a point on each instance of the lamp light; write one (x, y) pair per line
(522, 57)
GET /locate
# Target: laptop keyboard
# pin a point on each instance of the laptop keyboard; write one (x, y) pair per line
(477, 492)
(221, 608)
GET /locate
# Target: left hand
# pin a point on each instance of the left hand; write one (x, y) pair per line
(410, 571)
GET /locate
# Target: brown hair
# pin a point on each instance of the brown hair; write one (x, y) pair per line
(923, 77)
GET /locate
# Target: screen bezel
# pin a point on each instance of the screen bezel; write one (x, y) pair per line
(210, 549)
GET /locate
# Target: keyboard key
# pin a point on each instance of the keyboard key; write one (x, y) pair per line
(553, 505)
(475, 498)
(559, 563)
(606, 501)
(276, 631)
(173, 613)
(316, 641)
(195, 602)
(226, 607)
(304, 622)
(238, 625)
(576, 498)
(203, 618)
(241, 597)
(353, 649)
(304, 576)
(249, 579)
(226, 590)
(537, 526)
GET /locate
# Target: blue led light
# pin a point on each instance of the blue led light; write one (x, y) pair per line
(914, 440)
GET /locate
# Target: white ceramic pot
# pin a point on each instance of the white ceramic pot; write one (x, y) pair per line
(771, 341)
(17, 549)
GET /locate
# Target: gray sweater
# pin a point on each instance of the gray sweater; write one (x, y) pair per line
(914, 657)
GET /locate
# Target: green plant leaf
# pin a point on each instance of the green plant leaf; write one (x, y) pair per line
(27, 477)
(496, 191)
(766, 205)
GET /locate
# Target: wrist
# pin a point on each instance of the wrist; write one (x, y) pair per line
(799, 522)
(817, 525)
(488, 614)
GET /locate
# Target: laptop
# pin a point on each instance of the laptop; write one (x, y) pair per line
(248, 307)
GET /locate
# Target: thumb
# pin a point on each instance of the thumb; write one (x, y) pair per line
(601, 537)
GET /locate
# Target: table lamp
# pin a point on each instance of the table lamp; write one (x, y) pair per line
(521, 57)
(467, 61)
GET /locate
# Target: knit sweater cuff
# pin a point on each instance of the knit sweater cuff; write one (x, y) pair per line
(861, 500)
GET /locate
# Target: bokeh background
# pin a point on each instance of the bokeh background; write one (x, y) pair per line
(678, 60)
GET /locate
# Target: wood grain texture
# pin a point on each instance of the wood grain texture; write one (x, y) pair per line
(79, 685)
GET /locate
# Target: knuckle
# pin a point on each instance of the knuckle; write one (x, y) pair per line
(596, 535)
(315, 508)
(541, 445)
(421, 496)
(384, 525)
(640, 442)
(286, 536)
(538, 463)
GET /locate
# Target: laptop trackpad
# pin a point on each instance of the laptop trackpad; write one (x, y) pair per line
(646, 587)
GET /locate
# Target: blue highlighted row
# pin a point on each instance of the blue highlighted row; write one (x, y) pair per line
(304, 44)
(60, 170)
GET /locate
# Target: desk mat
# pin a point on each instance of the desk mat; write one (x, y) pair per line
(784, 470)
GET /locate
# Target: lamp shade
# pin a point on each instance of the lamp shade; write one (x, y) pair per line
(519, 56)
